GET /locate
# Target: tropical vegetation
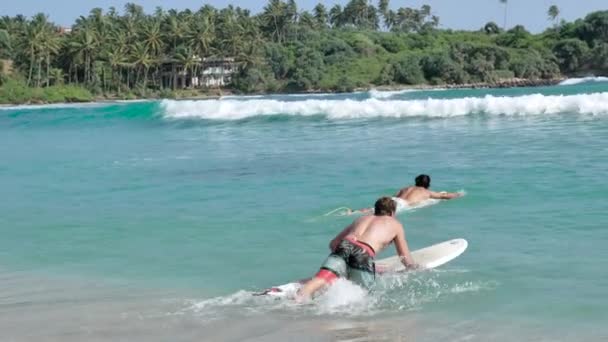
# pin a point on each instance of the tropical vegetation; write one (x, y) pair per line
(128, 54)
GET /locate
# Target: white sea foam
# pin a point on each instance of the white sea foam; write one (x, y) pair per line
(589, 79)
(241, 97)
(246, 97)
(403, 291)
(385, 94)
(344, 297)
(592, 104)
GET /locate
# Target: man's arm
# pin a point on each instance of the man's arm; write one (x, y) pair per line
(336, 241)
(444, 195)
(403, 250)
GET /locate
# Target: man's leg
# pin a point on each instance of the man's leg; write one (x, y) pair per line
(323, 278)
(312, 286)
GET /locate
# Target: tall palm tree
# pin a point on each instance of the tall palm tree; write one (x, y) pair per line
(50, 47)
(30, 43)
(336, 17)
(308, 20)
(200, 37)
(383, 7)
(553, 14)
(186, 58)
(82, 46)
(5, 43)
(175, 29)
(292, 16)
(134, 11)
(152, 37)
(275, 19)
(116, 60)
(142, 60)
(505, 3)
(229, 33)
(321, 15)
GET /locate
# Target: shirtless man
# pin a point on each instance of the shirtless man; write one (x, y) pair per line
(413, 195)
(354, 249)
(420, 192)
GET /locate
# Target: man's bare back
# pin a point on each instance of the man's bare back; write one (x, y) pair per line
(413, 195)
(376, 231)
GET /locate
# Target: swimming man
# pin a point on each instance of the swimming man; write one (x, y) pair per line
(413, 195)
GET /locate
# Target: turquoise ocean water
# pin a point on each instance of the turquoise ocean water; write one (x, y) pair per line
(155, 220)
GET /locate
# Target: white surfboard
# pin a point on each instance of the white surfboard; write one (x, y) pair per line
(428, 258)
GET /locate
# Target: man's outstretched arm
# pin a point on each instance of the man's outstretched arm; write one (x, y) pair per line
(445, 195)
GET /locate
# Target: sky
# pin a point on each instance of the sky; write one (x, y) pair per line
(454, 14)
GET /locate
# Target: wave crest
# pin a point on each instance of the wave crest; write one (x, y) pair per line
(537, 104)
(574, 81)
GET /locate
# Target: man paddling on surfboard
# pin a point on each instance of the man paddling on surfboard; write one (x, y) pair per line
(414, 195)
(354, 250)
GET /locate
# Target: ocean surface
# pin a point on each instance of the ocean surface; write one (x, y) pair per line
(155, 221)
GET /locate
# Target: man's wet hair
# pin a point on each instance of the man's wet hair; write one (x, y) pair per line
(385, 206)
(423, 181)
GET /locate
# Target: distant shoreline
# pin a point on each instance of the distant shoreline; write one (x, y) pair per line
(215, 94)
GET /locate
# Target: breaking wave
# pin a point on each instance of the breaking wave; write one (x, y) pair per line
(590, 79)
(537, 104)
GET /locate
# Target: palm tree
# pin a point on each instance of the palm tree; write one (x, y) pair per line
(153, 41)
(30, 44)
(553, 13)
(292, 15)
(5, 43)
(321, 16)
(82, 46)
(336, 17)
(383, 7)
(200, 37)
(185, 57)
(134, 11)
(308, 20)
(275, 19)
(505, 3)
(229, 33)
(116, 60)
(175, 29)
(142, 60)
(50, 47)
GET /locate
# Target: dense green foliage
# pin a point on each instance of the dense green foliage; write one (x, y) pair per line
(285, 49)
(15, 91)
